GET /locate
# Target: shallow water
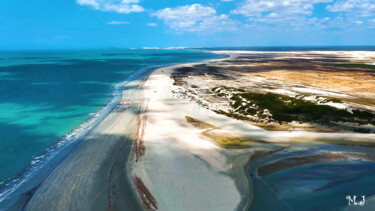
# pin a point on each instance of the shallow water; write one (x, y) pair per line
(316, 186)
(45, 95)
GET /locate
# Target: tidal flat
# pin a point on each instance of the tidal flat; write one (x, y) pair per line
(315, 114)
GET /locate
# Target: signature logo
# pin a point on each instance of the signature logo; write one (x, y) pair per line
(353, 200)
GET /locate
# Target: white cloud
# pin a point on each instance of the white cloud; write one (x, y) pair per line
(130, 1)
(289, 15)
(195, 18)
(357, 22)
(92, 3)
(118, 22)
(185, 16)
(123, 8)
(119, 6)
(261, 8)
(359, 7)
(152, 24)
(354, 12)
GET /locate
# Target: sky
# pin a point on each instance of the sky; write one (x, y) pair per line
(74, 24)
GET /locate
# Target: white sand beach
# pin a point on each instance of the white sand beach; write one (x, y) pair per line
(182, 169)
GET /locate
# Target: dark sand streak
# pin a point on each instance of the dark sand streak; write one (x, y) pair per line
(148, 200)
(138, 145)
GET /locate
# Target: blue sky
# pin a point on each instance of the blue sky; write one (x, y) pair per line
(46, 24)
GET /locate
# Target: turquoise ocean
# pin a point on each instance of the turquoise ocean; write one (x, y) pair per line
(49, 99)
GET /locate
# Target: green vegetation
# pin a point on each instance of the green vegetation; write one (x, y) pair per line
(367, 66)
(231, 114)
(362, 130)
(288, 109)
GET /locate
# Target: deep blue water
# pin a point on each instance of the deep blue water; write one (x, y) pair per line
(44, 95)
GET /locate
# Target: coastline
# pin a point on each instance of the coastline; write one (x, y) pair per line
(94, 173)
(152, 152)
(20, 196)
(17, 193)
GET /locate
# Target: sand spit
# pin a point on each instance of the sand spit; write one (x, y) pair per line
(145, 155)
(181, 168)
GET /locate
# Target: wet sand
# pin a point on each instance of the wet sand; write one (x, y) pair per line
(95, 176)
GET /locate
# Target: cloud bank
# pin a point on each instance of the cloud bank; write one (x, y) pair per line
(195, 17)
(119, 6)
(255, 14)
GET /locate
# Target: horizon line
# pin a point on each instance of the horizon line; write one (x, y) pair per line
(184, 47)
